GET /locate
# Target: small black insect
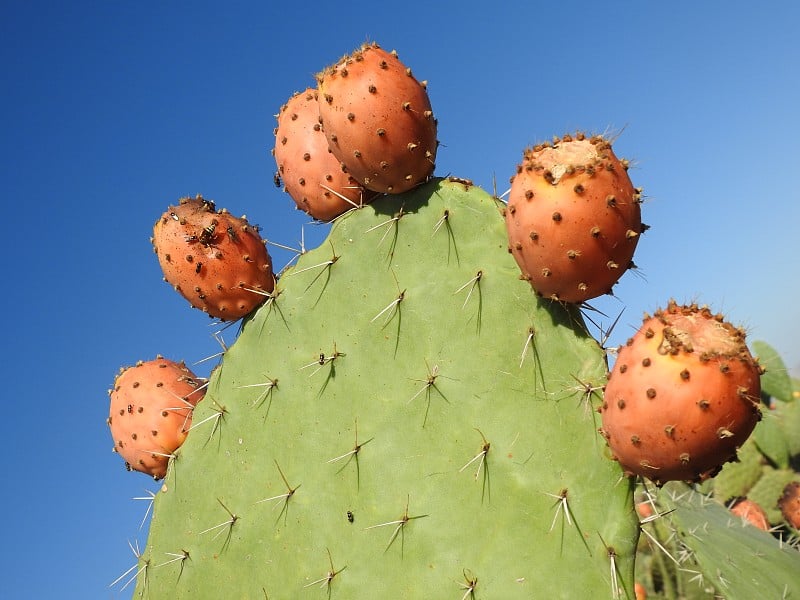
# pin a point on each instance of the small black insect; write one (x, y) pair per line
(207, 236)
(276, 179)
(130, 408)
(198, 267)
(350, 516)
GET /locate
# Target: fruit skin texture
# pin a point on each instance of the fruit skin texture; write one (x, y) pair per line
(151, 411)
(573, 218)
(305, 164)
(378, 120)
(682, 397)
(212, 258)
(789, 503)
(751, 512)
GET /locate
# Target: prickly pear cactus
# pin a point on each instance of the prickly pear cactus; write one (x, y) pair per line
(402, 419)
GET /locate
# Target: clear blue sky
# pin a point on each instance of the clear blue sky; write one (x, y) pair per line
(111, 110)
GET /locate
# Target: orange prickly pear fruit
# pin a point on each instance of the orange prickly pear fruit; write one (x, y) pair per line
(218, 262)
(151, 412)
(683, 396)
(311, 175)
(751, 512)
(573, 218)
(378, 120)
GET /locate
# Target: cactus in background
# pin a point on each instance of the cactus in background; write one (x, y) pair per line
(403, 419)
(701, 550)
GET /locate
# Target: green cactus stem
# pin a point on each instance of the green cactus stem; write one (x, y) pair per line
(404, 418)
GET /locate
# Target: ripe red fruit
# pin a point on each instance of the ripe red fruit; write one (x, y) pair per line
(378, 120)
(151, 412)
(218, 262)
(789, 503)
(311, 175)
(683, 395)
(751, 512)
(573, 218)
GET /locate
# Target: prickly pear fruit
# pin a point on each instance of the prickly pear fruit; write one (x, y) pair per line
(682, 397)
(378, 120)
(639, 591)
(751, 512)
(311, 175)
(573, 218)
(789, 503)
(218, 262)
(151, 412)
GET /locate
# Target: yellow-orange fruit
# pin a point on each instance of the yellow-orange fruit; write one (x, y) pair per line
(218, 262)
(573, 218)
(682, 397)
(378, 120)
(151, 411)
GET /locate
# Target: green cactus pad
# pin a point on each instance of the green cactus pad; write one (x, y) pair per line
(405, 419)
(736, 478)
(771, 439)
(775, 382)
(739, 560)
(787, 414)
(769, 489)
